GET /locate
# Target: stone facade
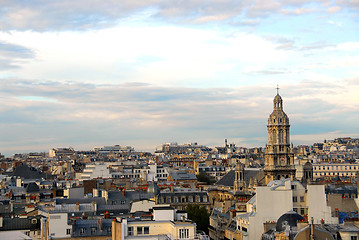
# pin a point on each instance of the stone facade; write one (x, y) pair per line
(279, 158)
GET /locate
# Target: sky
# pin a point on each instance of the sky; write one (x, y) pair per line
(90, 73)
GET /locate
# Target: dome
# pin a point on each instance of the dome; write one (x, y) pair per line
(308, 166)
(288, 219)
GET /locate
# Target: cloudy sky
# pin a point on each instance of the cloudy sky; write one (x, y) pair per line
(88, 73)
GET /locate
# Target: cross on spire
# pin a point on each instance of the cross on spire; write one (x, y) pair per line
(277, 89)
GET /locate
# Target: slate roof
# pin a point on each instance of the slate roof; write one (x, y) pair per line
(113, 207)
(32, 188)
(98, 200)
(5, 209)
(84, 207)
(178, 176)
(217, 213)
(92, 227)
(138, 195)
(228, 179)
(11, 224)
(27, 172)
(116, 195)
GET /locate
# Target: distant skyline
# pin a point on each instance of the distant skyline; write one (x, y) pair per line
(143, 73)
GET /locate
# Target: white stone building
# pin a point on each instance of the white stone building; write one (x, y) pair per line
(279, 197)
(335, 169)
(96, 170)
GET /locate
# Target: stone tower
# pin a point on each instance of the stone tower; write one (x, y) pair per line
(239, 184)
(307, 173)
(279, 158)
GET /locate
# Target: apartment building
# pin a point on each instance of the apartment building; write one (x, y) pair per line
(335, 169)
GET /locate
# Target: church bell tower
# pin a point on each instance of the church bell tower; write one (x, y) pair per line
(239, 184)
(279, 158)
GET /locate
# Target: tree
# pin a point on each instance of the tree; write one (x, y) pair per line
(203, 177)
(199, 215)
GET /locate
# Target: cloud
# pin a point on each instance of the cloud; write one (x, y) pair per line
(76, 114)
(269, 72)
(42, 15)
(12, 55)
(298, 11)
(334, 9)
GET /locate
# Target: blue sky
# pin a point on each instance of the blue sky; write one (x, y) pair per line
(142, 73)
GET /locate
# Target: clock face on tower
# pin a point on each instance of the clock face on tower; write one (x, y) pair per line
(282, 161)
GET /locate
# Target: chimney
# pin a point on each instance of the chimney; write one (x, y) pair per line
(77, 206)
(99, 221)
(322, 223)
(232, 214)
(94, 206)
(312, 229)
(124, 192)
(1, 221)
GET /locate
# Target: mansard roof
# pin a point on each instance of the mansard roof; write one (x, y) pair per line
(228, 179)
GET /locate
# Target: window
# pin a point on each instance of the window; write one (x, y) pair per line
(109, 229)
(302, 199)
(68, 231)
(353, 238)
(139, 230)
(130, 231)
(302, 211)
(93, 230)
(294, 187)
(294, 199)
(82, 230)
(183, 233)
(295, 210)
(146, 230)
